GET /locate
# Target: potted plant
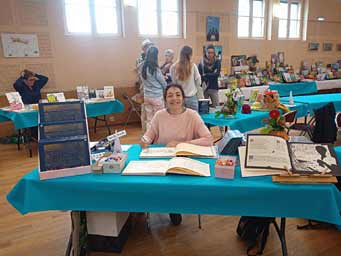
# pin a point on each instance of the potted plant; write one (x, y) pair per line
(275, 125)
(230, 106)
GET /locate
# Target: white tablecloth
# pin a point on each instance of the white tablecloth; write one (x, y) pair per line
(328, 84)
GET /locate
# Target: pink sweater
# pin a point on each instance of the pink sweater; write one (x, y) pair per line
(185, 127)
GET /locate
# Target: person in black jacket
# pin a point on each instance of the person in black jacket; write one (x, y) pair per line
(29, 85)
(209, 69)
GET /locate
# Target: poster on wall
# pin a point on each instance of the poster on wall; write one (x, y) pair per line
(313, 46)
(212, 28)
(327, 47)
(281, 58)
(20, 45)
(218, 51)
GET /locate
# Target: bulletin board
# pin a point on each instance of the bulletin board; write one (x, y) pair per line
(20, 45)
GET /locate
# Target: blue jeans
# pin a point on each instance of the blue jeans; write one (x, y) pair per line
(192, 103)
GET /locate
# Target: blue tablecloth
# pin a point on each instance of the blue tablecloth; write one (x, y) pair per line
(247, 122)
(28, 119)
(317, 101)
(257, 196)
(300, 88)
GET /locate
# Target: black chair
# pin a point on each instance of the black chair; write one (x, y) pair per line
(290, 117)
(134, 107)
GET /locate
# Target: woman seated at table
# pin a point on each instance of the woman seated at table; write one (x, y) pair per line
(29, 85)
(176, 124)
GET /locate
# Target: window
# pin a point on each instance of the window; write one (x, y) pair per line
(289, 19)
(159, 17)
(98, 16)
(251, 18)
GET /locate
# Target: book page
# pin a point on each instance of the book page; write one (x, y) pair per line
(253, 172)
(183, 165)
(266, 151)
(190, 149)
(151, 152)
(157, 168)
(312, 158)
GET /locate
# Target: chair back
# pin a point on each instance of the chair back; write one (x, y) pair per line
(290, 116)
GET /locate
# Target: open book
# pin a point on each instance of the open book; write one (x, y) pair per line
(182, 149)
(177, 165)
(273, 152)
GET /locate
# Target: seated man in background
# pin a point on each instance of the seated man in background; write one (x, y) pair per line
(29, 85)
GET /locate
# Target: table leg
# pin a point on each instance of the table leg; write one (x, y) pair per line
(19, 138)
(281, 235)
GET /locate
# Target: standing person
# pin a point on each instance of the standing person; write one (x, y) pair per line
(165, 68)
(209, 69)
(186, 74)
(29, 86)
(144, 48)
(139, 96)
(153, 84)
(176, 124)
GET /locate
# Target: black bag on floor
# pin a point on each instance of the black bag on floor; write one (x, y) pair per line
(255, 231)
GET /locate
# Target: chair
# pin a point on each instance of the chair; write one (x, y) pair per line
(290, 118)
(134, 107)
(306, 128)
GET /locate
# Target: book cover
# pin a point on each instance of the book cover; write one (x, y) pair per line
(55, 97)
(108, 92)
(82, 92)
(14, 100)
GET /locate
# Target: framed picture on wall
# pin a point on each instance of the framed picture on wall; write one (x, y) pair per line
(313, 46)
(327, 47)
(338, 47)
(238, 60)
(281, 58)
(212, 28)
(218, 51)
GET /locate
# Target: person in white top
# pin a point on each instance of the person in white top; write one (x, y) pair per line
(186, 74)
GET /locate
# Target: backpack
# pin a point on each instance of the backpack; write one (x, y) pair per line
(325, 130)
(255, 231)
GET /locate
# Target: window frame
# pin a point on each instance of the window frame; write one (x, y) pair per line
(181, 18)
(251, 17)
(289, 20)
(93, 30)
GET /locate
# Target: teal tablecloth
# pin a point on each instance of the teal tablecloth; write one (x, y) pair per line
(28, 119)
(317, 101)
(247, 122)
(257, 196)
(300, 88)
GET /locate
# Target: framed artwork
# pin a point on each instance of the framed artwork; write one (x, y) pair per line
(281, 58)
(338, 47)
(212, 28)
(238, 60)
(327, 47)
(218, 51)
(313, 46)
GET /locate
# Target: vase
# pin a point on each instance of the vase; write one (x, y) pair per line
(282, 134)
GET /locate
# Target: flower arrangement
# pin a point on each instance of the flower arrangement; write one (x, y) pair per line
(275, 124)
(230, 106)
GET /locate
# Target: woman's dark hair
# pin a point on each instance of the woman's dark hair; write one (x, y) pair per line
(183, 67)
(174, 86)
(210, 46)
(26, 74)
(151, 62)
